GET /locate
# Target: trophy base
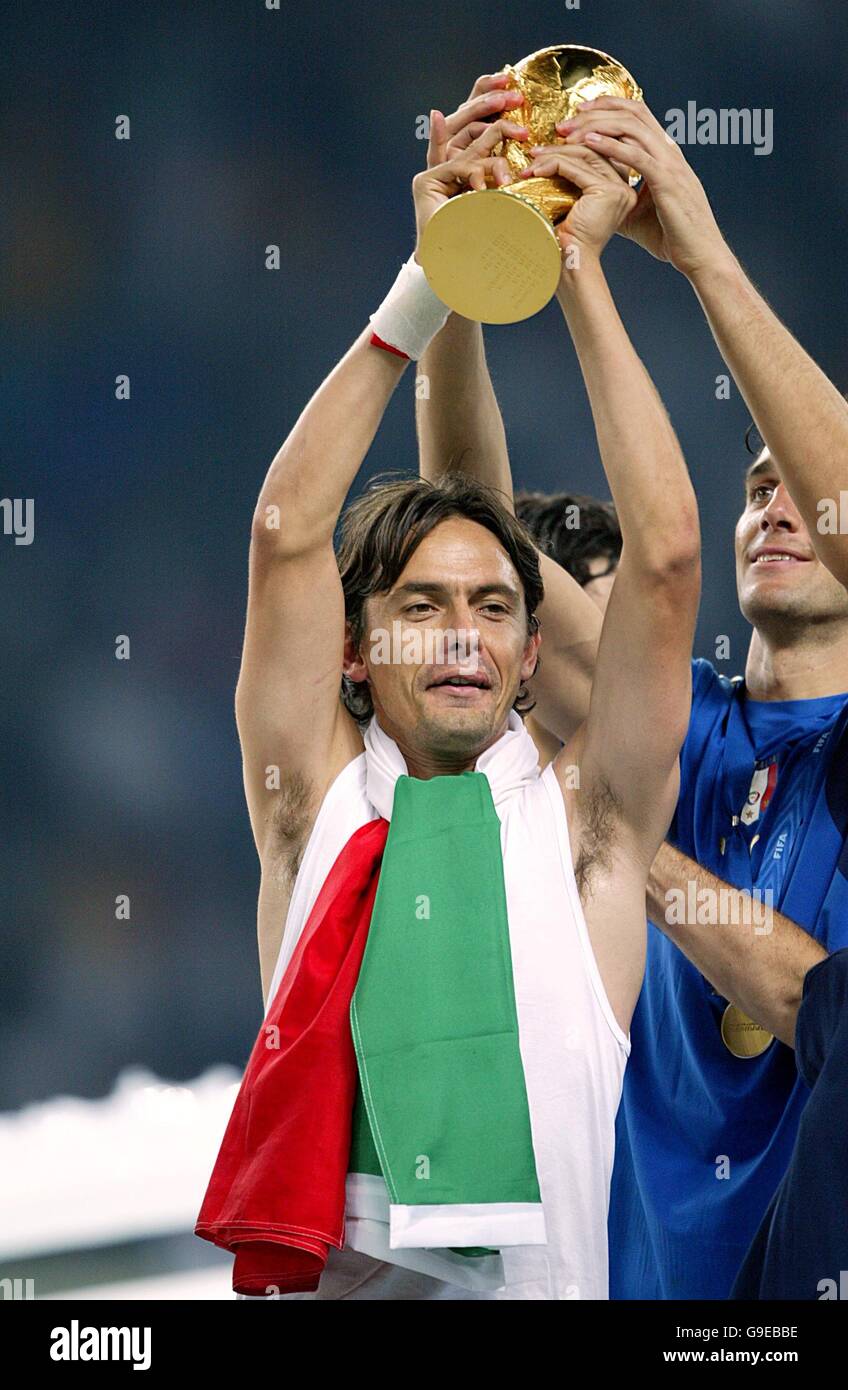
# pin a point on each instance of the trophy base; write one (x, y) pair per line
(491, 256)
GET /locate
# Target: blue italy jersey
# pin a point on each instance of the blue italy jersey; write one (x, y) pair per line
(703, 1137)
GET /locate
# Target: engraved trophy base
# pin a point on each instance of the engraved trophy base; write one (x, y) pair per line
(491, 256)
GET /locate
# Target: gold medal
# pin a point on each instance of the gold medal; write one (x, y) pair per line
(741, 1035)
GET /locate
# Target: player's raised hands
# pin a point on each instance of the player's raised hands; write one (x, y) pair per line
(474, 167)
(606, 198)
(672, 217)
(490, 100)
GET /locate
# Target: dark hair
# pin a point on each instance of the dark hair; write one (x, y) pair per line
(754, 442)
(547, 518)
(381, 530)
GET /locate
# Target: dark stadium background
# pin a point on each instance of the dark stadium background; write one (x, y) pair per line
(146, 257)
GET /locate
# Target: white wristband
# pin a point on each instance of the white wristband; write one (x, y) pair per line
(411, 314)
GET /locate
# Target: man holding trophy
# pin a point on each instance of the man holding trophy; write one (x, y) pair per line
(712, 1100)
(452, 942)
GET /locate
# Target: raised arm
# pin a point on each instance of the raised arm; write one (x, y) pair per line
(289, 714)
(457, 416)
(295, 733)
(800, 414)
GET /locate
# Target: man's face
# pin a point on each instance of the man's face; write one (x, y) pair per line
(456, 617)
(778, 577)
(598, 586)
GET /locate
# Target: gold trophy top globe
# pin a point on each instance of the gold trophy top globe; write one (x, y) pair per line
(493, 255)
(554, 82)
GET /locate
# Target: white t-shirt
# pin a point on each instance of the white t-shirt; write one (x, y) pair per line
(573, 1050)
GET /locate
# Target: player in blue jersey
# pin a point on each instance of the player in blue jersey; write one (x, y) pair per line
(751, 891)
(801, 1248)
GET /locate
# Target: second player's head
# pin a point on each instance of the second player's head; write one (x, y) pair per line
(783, 588)
(581, 533)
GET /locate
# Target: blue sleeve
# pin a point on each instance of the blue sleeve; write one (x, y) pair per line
(710, 696)
(706, 684)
